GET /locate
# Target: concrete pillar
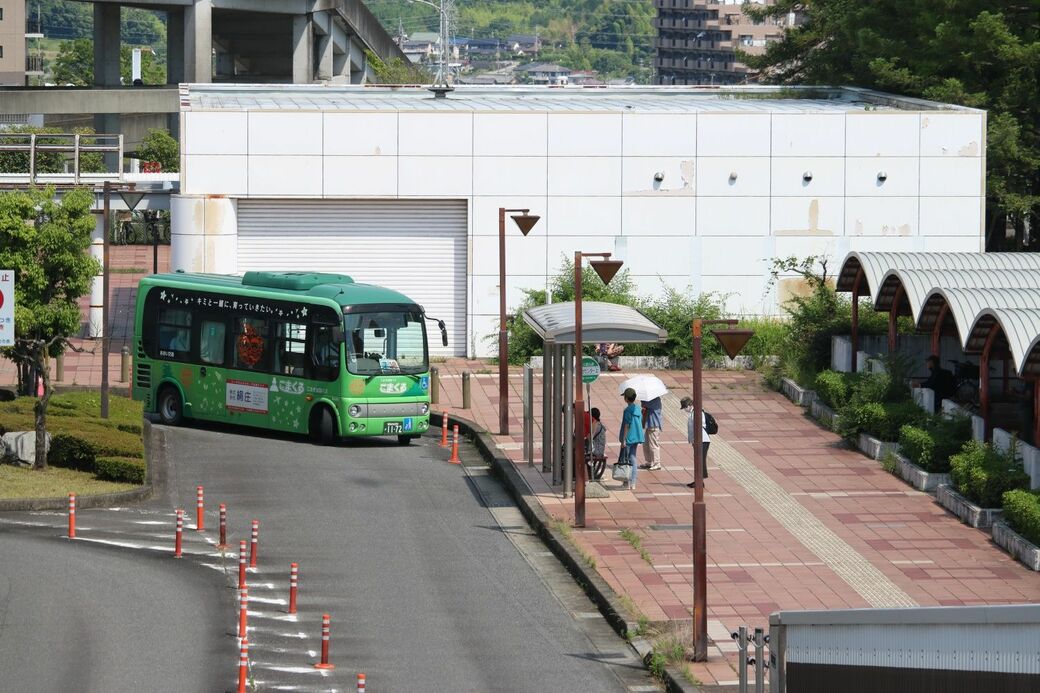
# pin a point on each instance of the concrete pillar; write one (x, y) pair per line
(325, 68)
(96, 328)
(357, 63)
(198, 42)
(341, 67)
(175, 43)
(203, 234)
(302, 49)
(106, 44)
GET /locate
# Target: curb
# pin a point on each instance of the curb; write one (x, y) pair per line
(155, 480)
(597, 589)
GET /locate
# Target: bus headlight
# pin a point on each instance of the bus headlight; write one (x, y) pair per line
(424, 409)
(354, 410)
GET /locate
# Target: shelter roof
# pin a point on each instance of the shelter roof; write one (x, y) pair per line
(876, 265)
(963, 305)
(1021, 329)
(918, 283)
(600, 322)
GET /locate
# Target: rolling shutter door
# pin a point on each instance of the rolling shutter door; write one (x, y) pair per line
(417, 247)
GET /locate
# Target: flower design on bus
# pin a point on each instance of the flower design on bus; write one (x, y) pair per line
(250, 346)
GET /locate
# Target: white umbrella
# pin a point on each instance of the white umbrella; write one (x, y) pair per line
(647, 387)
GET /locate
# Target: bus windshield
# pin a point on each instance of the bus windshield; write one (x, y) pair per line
(385, 342)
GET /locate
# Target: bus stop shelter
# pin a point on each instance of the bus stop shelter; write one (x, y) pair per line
(554, 323)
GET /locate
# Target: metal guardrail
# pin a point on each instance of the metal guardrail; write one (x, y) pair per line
(34, 144)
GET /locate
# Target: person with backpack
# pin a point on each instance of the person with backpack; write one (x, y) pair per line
(630, 435)
(708, 425)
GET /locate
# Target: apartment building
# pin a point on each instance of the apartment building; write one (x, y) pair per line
(697, 40)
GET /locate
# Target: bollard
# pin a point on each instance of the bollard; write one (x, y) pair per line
(294, 582)
(361, 683)
(742, 658)
(760, 663)
(243, 609)
(124, 364)
(243, 665)
(223, 528)
(59, 366)
(199, 509)
(444, 429)
(455, 446)
(435, 385)
(242, 564)
(72, 516)
(253, 543)
(325, 628)
(180, 533)
(465, 391)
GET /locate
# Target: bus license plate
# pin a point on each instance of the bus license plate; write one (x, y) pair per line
(391, 427)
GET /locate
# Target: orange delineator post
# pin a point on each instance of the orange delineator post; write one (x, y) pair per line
(72, 516)
(325, 628)
(243, 608)
(361, 683)
(243, 665)
(223, 527)
(444, 429)
(294, 581)
(253, 543)
(242, 564)
(455, 446)
(180, 534)
(199, 510)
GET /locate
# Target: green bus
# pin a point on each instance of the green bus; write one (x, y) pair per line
(298, 352)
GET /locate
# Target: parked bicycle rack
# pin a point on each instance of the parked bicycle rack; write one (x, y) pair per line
(759, 640)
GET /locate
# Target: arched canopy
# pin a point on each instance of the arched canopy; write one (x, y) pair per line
(876, 265)
(918, 284)
(963, 305)
(600, 322)
(1021, 329)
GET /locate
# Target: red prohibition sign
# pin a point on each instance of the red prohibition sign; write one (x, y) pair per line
(1, 299)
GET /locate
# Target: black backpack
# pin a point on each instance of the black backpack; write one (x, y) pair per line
(710, 424)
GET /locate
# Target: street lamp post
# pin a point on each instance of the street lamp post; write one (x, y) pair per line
(525, 222)
(732, 342)
(606, 269)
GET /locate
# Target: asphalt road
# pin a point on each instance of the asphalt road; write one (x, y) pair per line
(425, 590)
(88, 618)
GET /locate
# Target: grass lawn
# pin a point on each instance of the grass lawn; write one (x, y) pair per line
(17, 482)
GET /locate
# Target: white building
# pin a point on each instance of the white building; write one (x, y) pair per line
(690, 187)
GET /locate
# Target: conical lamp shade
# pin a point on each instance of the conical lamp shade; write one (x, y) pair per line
(733, 340)
(526, 222)
(606, 269)
(131, 199)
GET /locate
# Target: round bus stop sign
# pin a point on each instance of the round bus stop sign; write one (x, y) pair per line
(589, 369)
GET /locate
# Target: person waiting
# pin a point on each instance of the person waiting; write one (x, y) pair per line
(940, 381)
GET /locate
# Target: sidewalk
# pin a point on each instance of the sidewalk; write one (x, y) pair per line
(795, 520)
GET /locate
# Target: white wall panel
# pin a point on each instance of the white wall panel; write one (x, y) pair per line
(726, 255)
(638, 175)
(360, 176)
(882, 134)
(952, 176)
(362, 134)
(733, 134)
(501, 175)
(828, 176)
(885, 244)
(804, 246)
(659, 134)
(861, 176)
(206, 174)
(485, 293)
(214, 133)
(952, 134)
(741, 295)
(584, 216)
(435, 134)
(867, 216)
(571, 175)
(483, 335)
(285, 176)
(584, 134)
(293, 133)
(727, 216)
(808, 134)
(713, 176)
(654, 285)
(659, 216)
(951, 216)
(524, 255)
(510, 134)
(484, 221)
(807, 216)
(646, 256)
(435, 176)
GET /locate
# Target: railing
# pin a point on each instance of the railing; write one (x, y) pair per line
(62, 144)
(34, 64)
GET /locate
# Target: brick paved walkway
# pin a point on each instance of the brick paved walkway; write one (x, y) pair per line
(795, 519)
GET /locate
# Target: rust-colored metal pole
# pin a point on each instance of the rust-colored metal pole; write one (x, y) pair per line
(938, 329)
(984, 378)
(503, 334)
(1036, 412)
(893, 316)
(855, 317)
(700, 535)
(579, 404)
(105, 216)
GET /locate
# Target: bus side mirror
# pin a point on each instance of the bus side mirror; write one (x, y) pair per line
(444, 333)
(337, 335)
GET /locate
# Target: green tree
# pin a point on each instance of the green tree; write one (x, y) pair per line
(969, 52)
(159, 145)
(397, 71)
(74, 64)
(45, 242)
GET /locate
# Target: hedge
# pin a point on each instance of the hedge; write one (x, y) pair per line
(982, 474)
(832, 389)
(931, 445)
(72, 453)
(125, 469)
(1022, 513)
(883, 421)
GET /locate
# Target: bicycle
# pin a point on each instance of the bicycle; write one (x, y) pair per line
(966, 381)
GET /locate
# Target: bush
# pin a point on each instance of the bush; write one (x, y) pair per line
(983, 474)
(931, 445)
(1022, 512)
(125, 469)
(883, 421)
(72, 453)
(832, 389)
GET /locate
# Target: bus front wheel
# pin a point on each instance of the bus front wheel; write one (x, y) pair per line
(323, 426)
(171, 407)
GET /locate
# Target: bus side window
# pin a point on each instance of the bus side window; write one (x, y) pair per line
(212, 342)
(292, 349)
(174, 329)
(324, 353)
(252, 344)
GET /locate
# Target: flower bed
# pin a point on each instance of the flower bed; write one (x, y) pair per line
(1016, 545)
(968, 512)
(796, 393)
(920, 479)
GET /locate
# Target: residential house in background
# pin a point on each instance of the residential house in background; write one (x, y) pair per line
(545, 73)
(524, 44)
(20, 59)
(697, 40)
